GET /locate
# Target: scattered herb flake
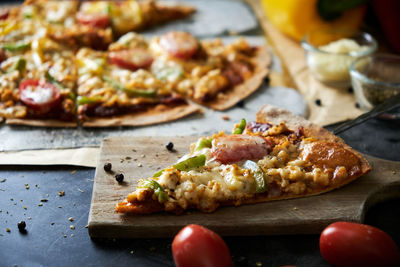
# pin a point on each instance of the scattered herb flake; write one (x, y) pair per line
(3, 180)
(61, 193)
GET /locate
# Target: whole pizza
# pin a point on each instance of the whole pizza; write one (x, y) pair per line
(65, 63)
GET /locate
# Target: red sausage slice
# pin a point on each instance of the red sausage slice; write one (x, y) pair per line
(39, 95)
(237, 147)
(95, 20)
(131, 59)
(179, 44)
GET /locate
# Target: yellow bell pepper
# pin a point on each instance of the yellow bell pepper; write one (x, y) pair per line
(298, 17)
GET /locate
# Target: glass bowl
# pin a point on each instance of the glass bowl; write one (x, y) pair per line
(329, 53)
(375, 78)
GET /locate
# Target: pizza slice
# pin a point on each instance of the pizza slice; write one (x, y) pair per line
(37, 76)
(96, 23)
(209, 72)
(116, 88)
(280, 156)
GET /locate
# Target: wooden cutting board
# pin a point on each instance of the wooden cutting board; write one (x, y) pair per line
(139, 157)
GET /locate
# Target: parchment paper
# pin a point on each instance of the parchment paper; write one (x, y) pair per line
(336, 104)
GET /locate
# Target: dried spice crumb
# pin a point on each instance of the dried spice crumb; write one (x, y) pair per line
(133, 150)
(44, 200)
(357, 105)
(259, 264)
(295, 208)
(72, 235)
(8, 230)
(59, 207)
(87, 226)
(3, 180)
(73, 172)
(52, 223)
(140, 165)
(350, 90)
(80, 190)
(143, 155)
(61, 193)
(27, 186)
(71, 219)
(11, 199)
(318, 102)
(131, 251)
(225, 117)
(37, 186)
(128, 158)
(40, 204)
(29, 218)
(107, 166)
(25, 208)
(65, 236)
(72, 227)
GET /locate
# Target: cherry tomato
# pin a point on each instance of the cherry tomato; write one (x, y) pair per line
(97, 20)
(198, 246)
(4, 13)
(39, 95)
(131, 59)
(354, 244)
(179, 44)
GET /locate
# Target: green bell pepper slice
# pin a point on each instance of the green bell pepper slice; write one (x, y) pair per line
(257, 174)
(158, 174)
(83, 100)
(202, 143)
(118, 86)
(158, 190)
(20, 65)
(240, 128)
(191, 163)
(18, 46)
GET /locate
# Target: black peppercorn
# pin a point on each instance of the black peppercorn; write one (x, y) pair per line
(169, 146)
(107, 166)
(119, 177)
(318, 102)
(357, 105)
(21, 226)
(350, 90)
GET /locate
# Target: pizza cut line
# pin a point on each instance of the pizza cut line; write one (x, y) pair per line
(279, 156)
(46, 81)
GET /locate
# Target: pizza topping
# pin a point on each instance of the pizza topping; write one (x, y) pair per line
(240, 127)
(256, 127)
(161, 195)
(234, 148)
(179, 44)
(129, 91)
(39, 95)
(132, 59)
(83, 100)
(203, 143)
(191, 163)
(4, 13)
(18, 46)
(97, 20)
(257, 174)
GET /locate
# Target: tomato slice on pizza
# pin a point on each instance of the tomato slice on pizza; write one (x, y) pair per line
(280, 156)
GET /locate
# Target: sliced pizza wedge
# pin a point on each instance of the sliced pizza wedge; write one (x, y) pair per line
(210, 73)
(280, 156)
(116, 88)
(96, 23)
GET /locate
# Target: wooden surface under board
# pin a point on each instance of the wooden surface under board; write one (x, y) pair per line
(139, 157)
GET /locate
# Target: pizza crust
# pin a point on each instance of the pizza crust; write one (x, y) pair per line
(232, 96)
(41, 123)
(149, 117)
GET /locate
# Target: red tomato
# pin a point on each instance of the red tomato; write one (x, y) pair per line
(179, 44)
(354, 244)
(39, 95)
(198, 246)
(4, 13)
(131, 59)
(97, 20)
